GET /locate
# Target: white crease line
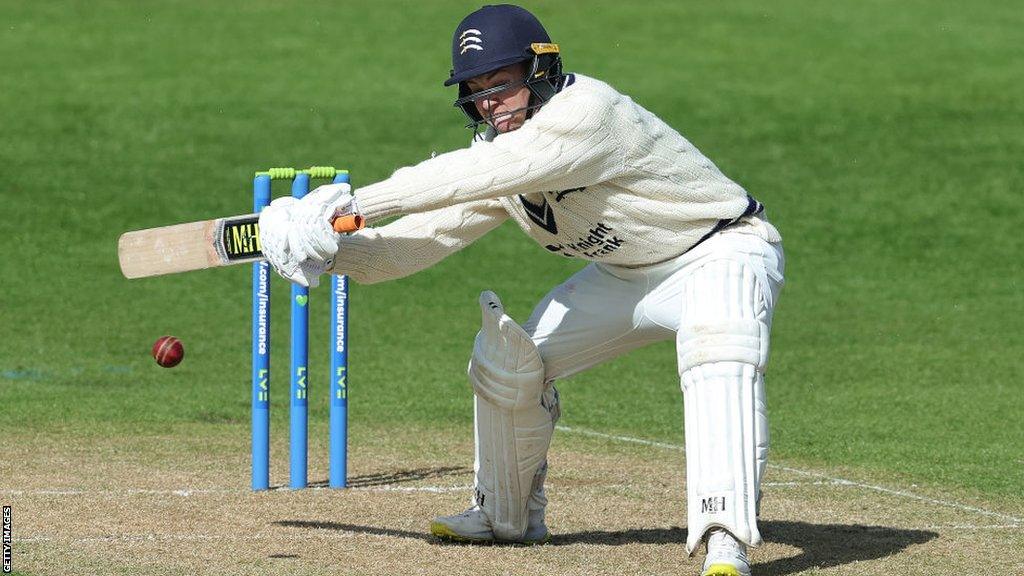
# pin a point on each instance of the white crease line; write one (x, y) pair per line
(811, 483)
(124, 492)
(382, 488)
(974, 527)
(905, 494)
(189, 492)
(832, 479)
(434, 489)
(185, 537)
(620, 438)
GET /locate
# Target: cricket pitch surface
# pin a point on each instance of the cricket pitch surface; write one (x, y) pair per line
(168, 505)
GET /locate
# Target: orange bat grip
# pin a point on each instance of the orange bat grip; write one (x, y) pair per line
(348, 223)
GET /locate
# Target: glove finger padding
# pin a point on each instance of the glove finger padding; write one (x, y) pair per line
(309, 273)
(317, 237)
(335, 198)
(314, 216)
(275, 225)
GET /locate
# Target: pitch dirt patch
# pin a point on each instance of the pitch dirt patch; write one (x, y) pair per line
(166, 506)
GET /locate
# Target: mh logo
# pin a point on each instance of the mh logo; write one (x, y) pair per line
(712, 505)
(470, 40)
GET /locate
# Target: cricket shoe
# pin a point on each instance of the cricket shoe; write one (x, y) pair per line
(474, 527)
(726, 555)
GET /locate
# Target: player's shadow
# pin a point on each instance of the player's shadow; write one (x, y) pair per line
(820, 545)
(399, 476)
(355, 529)
(828, 545)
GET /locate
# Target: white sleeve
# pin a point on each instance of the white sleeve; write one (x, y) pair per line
(567, 144)
(415, 242)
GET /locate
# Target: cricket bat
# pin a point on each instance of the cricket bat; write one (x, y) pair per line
(200, 245)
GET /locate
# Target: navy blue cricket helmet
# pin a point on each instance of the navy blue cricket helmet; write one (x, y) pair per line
(500, 35)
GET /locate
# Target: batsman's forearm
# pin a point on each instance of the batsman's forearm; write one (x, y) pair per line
(415, 242)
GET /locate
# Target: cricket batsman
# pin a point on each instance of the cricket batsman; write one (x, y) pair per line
(675, 250)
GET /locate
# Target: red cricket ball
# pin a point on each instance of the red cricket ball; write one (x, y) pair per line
(168, 351)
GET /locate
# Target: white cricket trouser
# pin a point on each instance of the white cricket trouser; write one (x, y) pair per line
(716, 301)
(604, 311)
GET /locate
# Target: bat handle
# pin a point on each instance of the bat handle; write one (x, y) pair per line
(348, 223)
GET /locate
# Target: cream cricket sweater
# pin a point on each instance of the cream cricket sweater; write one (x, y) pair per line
(591, 175)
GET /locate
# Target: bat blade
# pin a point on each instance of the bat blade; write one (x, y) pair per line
(190, 246)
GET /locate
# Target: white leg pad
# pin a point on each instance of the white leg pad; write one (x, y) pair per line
(722, 346)
(726, 449)
(515, 417)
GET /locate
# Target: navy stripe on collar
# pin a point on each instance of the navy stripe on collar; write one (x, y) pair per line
(567, 81)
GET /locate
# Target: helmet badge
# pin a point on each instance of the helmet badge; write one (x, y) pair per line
(470, 40)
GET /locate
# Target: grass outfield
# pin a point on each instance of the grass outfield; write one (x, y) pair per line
(883, 137)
